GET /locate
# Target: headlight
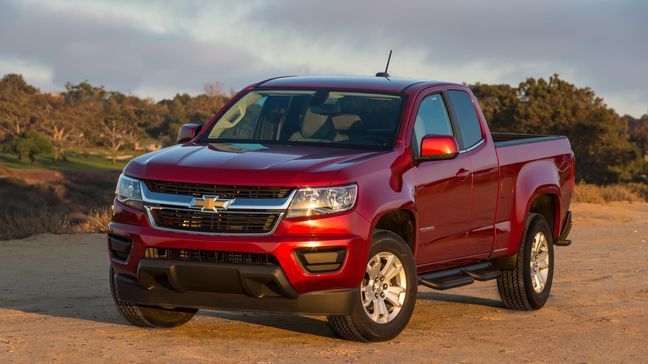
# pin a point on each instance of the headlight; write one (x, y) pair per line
(319, 201)
(128, 192)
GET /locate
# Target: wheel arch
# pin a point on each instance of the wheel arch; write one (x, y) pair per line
(537, 183)
(547, 205)
(402, 222)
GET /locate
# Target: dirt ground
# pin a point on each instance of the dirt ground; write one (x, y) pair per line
(55, 306)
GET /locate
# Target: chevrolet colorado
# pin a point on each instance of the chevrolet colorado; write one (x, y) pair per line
(338, 196)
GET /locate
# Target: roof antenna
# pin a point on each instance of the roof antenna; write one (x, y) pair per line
(385, 74)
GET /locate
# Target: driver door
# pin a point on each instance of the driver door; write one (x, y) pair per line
(444, 195)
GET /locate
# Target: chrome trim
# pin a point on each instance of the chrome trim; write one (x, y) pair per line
(157, 227)
(268, 206)
(473, 147)
(274, 204)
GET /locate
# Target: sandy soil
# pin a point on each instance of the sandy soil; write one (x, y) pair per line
(55, 306)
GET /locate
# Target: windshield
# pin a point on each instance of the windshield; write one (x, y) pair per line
(310, 116)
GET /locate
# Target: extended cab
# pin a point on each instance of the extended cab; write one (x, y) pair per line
(338, 196)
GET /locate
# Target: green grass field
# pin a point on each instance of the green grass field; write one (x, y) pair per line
(75, 162)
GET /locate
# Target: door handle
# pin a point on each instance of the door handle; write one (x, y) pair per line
(463, 174)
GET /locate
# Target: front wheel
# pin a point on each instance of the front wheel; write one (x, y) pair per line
(145, 316)
(527, 287)
(387, 293)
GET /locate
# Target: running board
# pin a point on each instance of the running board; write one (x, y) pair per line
(565, 242)
(442, 284)
(461, 276)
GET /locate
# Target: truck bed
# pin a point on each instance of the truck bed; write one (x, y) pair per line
(526, 161)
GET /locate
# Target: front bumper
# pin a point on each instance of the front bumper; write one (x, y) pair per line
(236, 287)
(285, 286)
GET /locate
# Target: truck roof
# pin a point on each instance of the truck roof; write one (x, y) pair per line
(386, 84)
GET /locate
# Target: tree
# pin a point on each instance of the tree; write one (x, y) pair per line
(118, 124)
(639, 132)
(554, 106)
(498, 105)
(213, 89)
(16, 113)
(30, 143)
(57, 125)
(82, 109)
(84, 91)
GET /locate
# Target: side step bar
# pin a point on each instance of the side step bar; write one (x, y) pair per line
(565, 242)
(461, 276)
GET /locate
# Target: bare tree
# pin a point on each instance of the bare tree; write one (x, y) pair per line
(116, 136)
(57, 124)
(118, 125)
(213, 89)
(60, 138)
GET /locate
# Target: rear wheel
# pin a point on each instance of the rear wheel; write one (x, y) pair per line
(145, 316)
(387, 293)
(527, 287)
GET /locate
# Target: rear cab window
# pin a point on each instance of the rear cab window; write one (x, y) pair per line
(466, 119)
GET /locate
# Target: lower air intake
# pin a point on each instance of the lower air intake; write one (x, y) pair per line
(209, 256)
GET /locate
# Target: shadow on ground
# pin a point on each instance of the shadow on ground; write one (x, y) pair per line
(456, 298)
(69, 295)
(67, 276)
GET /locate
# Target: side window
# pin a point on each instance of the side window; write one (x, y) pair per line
(431, 118)
(467, 120)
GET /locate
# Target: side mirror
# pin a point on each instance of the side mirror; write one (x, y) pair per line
(438, 147)
(188, 132)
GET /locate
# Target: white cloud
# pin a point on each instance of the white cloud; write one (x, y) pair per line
(158, 49)
(37, 74)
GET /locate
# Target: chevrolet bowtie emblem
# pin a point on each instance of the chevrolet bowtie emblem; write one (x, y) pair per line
(209, 203)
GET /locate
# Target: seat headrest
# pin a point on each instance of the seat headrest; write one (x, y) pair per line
(312, 123)
(345, 121)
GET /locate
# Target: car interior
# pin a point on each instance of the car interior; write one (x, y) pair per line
(311, 117)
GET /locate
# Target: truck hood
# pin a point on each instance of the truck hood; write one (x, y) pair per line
(246, 164)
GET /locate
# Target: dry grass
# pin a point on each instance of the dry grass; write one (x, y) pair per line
(631, 192)
(96, 222)
(14, 226)
(76, 203)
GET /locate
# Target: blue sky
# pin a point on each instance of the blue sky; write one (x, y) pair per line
(157, 48)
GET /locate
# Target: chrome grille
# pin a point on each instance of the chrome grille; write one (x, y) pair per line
(216, 223)
(194, 189)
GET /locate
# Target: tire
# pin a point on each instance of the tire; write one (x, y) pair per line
(382, 321)
(145, 316)
(521, 288)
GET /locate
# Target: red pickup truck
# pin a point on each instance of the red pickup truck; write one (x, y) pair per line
(338, 196)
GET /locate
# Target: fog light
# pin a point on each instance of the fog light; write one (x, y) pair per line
(321, 260)
(119, 247)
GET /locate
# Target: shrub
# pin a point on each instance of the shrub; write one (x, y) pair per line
(634, 192)
(14, 226)
(30, 143)
(96, 221)
(20, 226)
